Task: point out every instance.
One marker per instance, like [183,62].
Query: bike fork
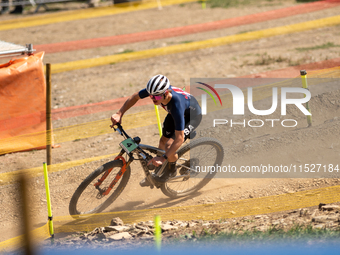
[116,179]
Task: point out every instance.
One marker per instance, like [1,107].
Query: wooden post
[23,192]
[48,116]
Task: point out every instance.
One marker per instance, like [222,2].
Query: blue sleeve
[143,93]
[178,114]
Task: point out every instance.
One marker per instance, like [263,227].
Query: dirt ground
[196,233]
[319,144]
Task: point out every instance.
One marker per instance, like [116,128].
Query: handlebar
[120,130]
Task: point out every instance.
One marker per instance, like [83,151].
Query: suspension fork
[118,175]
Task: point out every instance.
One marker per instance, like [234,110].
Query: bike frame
[144,159]
[142,155]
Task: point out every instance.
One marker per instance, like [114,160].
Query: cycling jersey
[184,112]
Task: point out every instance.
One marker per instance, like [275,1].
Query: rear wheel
[89,198]
[192,164]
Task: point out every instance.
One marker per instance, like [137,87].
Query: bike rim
[91,200]
[202,156]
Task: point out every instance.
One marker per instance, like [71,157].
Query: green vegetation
[266,59]
[306,1]
[296,233]
[245,31]
[318,47]
[125,51]
[236,3]
[300,61]
[227,3]
[186,41]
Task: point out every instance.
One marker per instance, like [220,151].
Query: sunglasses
[158,97]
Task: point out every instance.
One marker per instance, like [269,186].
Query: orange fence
[23,104]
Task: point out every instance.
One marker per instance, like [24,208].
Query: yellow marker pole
[158,233]
[48,198]
[158,121]
[159,4]
[303,74]
[204,4]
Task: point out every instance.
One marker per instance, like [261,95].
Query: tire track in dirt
[178,31]
[193,46]
[83,14]
[289,72]
[228,209]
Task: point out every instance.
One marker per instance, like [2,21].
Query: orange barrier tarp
[22,104]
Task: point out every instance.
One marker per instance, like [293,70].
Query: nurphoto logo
[238,99]
[204,96]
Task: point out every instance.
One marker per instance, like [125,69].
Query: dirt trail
[244,145]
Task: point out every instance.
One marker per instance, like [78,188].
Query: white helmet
[158,85]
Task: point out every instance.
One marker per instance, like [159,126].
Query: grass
[306,1]
[236,3]
[318,47]
[125,51]
[300,61]
[296,233]
[266,59]
[227,3]
[186,41]
[245,31]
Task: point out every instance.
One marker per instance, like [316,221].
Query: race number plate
[128,145]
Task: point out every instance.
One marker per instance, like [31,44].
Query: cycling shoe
[166,175]
[145,183]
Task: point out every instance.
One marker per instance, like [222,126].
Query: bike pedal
[145,183]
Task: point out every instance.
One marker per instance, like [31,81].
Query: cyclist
[184,115]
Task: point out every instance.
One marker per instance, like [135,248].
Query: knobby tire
[166,187]
[115,165]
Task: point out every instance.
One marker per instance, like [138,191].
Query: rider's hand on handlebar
[115,118]
[157,161]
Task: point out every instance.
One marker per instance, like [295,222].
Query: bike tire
[178,188]
[88,195]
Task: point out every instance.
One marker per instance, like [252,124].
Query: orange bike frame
[116,179]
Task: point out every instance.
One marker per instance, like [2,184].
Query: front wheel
[89,196]
[194,161]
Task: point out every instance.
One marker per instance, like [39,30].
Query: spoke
[205,155]
[92,198]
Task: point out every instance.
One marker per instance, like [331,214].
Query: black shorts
[190,125]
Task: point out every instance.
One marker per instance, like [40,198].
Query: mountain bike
[103,186]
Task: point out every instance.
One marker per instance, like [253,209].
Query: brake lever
[116,129]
